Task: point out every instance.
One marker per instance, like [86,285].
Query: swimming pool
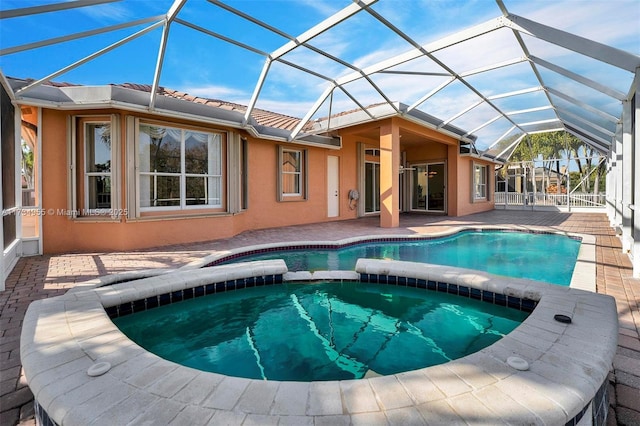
[320,331]
[66,337]
[538,256]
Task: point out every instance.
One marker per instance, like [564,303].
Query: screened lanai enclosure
[553,170]
[544,91]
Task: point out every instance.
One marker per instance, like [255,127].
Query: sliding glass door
[428,183]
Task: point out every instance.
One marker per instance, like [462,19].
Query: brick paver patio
[47,276]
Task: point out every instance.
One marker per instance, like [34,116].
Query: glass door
[428,183]
[372,187]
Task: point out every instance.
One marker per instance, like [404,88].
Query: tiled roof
[262,117]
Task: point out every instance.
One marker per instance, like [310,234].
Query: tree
[555,146]
[27,165]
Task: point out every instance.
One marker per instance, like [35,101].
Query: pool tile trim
[141,305]
[521,304]
[63,336]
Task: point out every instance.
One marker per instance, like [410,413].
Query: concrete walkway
[46,276]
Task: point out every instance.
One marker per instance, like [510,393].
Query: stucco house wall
[265,207]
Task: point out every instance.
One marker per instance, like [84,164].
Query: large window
[292,173]
[479,182]
[179,168]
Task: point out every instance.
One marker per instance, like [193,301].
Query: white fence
[549,200]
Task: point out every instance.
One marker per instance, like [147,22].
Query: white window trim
[182,175]
[302,175]
[86,175]
[297,174]
[115,211]
[475,184]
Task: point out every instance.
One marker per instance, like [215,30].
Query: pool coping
[63,337]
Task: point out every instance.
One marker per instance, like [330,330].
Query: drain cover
[98,369]
[518,363]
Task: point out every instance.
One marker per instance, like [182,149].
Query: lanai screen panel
[452,60]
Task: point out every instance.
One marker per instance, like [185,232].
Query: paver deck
[46,276]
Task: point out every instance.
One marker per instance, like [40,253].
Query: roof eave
[96,97]
[383,111]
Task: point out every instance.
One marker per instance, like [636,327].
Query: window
[93,157]
[97,166]
[179,168]
[292,173]
[479,182]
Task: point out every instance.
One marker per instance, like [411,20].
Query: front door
[333,188]
[428,183]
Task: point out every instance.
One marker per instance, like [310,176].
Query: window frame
[302,174]
[476,184]
[78,206]
[86,175]
[218,136]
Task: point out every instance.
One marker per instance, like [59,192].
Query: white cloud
[216,92]
[107,12]
[323,8]
[611,22]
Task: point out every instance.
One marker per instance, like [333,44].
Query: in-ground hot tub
[545,371]
[319,330]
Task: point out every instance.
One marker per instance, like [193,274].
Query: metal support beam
[461,113]
[54,7]
[529,110]
[601,52]
[627,177]
[635,111]
[504,135]
[76,36]
[430,94]
[587,122]
[415,53]
[328,91]
[492,67]
[538,122]
[515,93]
[517,141]
[171,15]
[587,136]
[323,26]
[580,79]
[159,62]
[88,58]
[619,176]
[257,90]
[429,54]
[483,125]
[581,104]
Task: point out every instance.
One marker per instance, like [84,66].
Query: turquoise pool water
[544,257]
[320,331]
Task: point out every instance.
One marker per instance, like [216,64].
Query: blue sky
[202,65]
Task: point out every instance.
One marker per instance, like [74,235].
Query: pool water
[544,257]
[319,331]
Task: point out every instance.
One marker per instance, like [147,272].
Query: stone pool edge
[62,337]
